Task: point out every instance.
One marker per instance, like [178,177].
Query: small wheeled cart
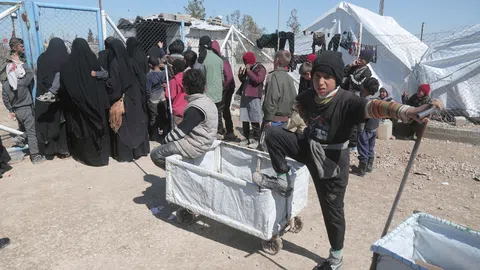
[219,185]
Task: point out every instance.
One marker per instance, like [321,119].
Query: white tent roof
[452,68]
[398,51]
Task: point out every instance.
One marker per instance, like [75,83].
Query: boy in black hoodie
[330,114]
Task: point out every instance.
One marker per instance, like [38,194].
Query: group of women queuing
[99,105]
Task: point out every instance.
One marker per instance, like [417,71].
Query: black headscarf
[102,56]
[116,50]
[49,115]
[135,51]
[49,63]
[87,94]
[205,44]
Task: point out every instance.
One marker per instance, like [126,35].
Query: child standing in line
[177,92]
[368,132]
[156,105]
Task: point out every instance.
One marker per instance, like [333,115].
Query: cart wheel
[296,225]
[273,246]
[184,216]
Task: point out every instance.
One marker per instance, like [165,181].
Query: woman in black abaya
[86,106]
[135,51]
[50,122]
[124,87]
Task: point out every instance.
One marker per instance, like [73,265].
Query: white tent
[452,68]
[398,51]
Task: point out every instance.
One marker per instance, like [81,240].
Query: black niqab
[85,92]
[49,63]
[49,115]
[135,51]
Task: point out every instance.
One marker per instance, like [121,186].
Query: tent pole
[421,33]
[278,27]
[360,33]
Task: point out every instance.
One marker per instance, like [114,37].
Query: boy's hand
[248,66]
[93,73]
[13,116]
[160,44]
[405,94]
[240,71]
[412,112]
[268,124]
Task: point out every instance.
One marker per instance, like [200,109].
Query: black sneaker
[4,242]
[273,183]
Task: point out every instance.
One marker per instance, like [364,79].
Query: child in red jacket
[177,93]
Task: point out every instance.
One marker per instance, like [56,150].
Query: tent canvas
[398,51]
[452,68]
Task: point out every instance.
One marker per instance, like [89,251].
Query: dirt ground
[64,215]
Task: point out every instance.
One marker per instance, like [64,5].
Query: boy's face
[420,94]
[323,83]
[361,62]
[383,93]
[307,76]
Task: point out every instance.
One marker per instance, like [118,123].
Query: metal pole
[278,27]
[382,3]
[183,31]
[169,97]
[421,33]
[360,33]
[100,5]
[413,156]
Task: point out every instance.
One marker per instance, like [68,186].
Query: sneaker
[220,137]
[19,141]
[244,143]
[4,242]
[330,264]
[253,144]
[37,159]
[47,97]
[273,183]
[362,169]
[230,137]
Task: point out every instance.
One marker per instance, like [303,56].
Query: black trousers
[227,114]
[220,106]
[246,130]
[331,192]
[157,117]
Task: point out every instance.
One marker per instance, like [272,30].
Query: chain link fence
[9,27]
[68,24]
[149,31]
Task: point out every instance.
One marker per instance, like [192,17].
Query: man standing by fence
[213,66]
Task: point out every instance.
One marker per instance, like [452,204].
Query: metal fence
[9,27]
[149,31]
[68,23]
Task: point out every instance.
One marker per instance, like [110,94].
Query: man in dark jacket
[20,105]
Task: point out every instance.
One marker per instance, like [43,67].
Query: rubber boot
[370,165]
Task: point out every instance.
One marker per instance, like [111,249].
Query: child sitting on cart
[330,114]
[196,133]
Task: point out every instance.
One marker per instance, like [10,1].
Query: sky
[438,15]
